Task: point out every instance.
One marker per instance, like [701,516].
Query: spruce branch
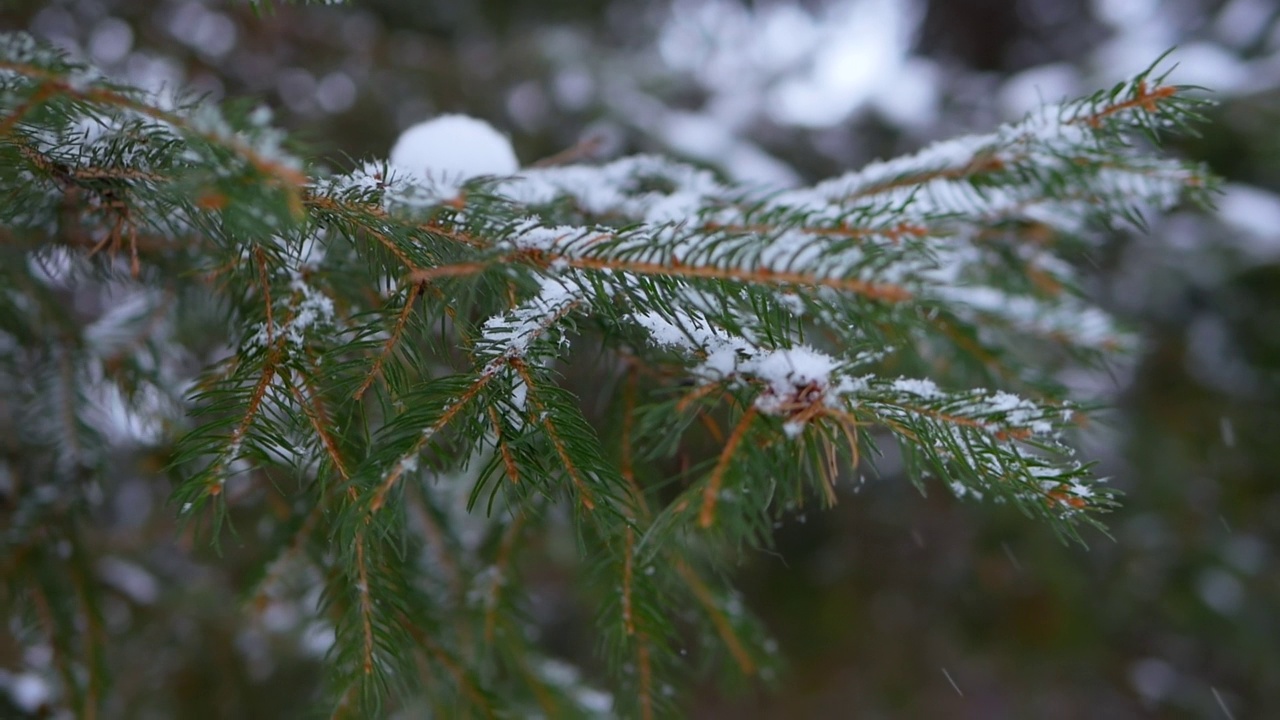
[420,386]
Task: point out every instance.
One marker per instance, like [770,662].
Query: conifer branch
[739,352]
[53,84]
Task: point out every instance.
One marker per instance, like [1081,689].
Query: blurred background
[893,605]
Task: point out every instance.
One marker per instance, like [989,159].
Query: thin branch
[723,628]
[504,449]
[237,436]
[505,552]
[761,276]
[316,416]
[42,93]
[439,655]
[711,493]
[895,233]
[380,495]
[627,468]
[95,636]
[645,671]
[1146,98]
[570,467]
[459,269]
[61,653]
[581,150]
[628,561]
[436,538]
[366,605]
[390,344]
[982,163]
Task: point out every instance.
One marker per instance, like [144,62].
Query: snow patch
[456,147]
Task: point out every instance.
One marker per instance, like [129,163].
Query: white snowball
[454,147]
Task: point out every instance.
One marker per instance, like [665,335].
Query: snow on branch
[1052,137]
[507,336]
[784,375]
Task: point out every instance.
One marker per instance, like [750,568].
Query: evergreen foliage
[414,385]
